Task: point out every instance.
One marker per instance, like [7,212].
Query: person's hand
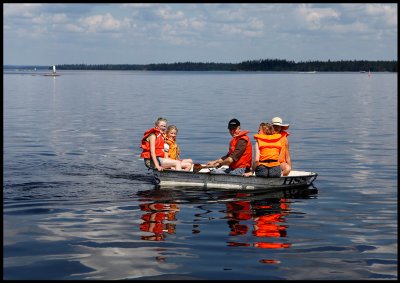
[159,168]
[248,174]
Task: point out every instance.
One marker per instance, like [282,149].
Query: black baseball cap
[233,124]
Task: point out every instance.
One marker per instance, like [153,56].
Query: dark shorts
[270,172]
[237,171]
[148,162]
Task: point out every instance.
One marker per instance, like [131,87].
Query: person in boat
[173,150]
[265,128]
[153,152]
[285,160]
[261,127]
[239,155]
[267,153]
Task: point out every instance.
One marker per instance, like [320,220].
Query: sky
[55,33]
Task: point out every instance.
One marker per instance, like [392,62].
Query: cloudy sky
[48,34]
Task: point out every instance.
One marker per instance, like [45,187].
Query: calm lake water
[78,202]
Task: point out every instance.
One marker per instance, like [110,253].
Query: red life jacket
[245,160]
[146,144]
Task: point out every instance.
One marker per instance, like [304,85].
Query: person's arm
[288,158]
[237,152]
[256,157]
[217,162]
[235,155]
[255,160]
[152,140]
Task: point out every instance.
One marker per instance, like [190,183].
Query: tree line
[275,65]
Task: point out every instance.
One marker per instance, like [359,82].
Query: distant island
[274,65]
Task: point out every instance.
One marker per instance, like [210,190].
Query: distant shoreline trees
[274,65]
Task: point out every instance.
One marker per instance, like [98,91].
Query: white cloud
[138,5]
[167,14]
[74,28]
[99,23]
[313,17]
[230,14]
[387,13]
[206,28]
[197,24]
[20,10]
[354,28]
[49,19]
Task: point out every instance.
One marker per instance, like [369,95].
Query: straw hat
[277,121]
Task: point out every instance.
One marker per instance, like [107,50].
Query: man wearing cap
[285,160]
[240,152]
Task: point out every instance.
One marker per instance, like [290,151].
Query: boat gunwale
[208,179]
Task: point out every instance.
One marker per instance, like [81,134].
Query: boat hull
[172,178]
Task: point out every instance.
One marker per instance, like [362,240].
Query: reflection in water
[255,216]
[267,216]
[153,220]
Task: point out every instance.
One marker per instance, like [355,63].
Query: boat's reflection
[258,214]
[201,196]
[266,218]
[158,220]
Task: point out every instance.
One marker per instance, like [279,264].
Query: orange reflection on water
[153,220]
[268,217]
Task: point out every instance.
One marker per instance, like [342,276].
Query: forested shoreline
[276,65]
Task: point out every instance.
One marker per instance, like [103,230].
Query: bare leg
[187,164]
[169,163]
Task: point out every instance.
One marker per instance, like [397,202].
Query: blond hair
[160,119]
[172,127]
[266,128]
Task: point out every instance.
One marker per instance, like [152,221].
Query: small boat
[206,178]
[310,72]
[52,74]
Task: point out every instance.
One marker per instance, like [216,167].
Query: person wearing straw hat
[285,159]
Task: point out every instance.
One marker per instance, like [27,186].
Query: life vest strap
[268,160]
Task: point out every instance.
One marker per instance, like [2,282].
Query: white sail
[54,69]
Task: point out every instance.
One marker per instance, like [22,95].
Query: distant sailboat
[369,73]
[53,74]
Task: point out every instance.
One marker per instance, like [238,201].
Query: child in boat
[265,128]
[172,148]
[268,149]
[153,148]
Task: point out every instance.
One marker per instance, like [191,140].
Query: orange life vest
[173,151]
[270,147]
[146,144]
[245,160]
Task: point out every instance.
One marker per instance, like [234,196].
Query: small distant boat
[362,71]
[310,72]
[53,74]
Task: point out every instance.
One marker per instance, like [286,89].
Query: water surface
[79,204]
